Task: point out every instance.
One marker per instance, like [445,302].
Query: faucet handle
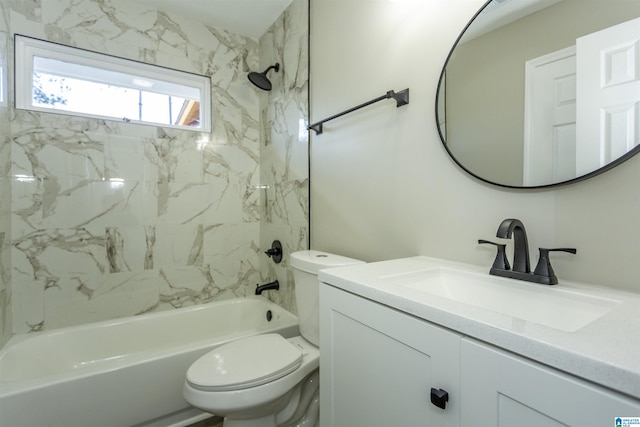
[275,252]
[544,268]
[501,262]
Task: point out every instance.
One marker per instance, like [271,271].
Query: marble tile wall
[111,219]
[284,152]
[5,186]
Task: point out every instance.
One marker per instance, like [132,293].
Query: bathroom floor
[209,422]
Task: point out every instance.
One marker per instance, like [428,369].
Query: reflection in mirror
[542,92]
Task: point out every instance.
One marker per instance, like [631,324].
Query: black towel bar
[402,98]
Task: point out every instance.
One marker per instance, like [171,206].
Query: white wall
[382,185]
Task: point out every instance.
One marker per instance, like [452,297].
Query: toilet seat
[245,363]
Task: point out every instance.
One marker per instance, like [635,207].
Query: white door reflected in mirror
[608,90]
[550,118]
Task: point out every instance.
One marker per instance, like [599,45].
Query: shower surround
[111,219]
[5,184]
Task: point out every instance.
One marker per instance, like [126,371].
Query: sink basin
[550,306]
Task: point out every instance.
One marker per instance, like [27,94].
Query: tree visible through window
[43,95]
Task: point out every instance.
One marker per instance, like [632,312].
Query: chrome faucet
[520,243]
[521,270]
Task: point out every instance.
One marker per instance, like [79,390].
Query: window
[56,78]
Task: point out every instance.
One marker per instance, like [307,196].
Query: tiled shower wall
[5,187]
[111,219]
[284,164]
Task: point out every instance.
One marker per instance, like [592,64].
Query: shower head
[260,79]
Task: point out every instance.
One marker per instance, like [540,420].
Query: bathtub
[125,372]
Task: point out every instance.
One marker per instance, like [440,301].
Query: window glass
[56,78]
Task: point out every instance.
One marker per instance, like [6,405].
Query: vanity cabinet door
[503,389]
[378,366]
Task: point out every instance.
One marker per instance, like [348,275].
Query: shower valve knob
[275,253]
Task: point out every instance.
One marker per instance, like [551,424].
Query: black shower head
[260,79]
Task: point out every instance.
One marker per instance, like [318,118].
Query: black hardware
[260,79]
[439,397]
[501,260]
[544,269]
[402,98]
[275,253]
[521,270]
[275,285]
[520,243]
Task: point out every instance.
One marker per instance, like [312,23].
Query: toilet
[267,380]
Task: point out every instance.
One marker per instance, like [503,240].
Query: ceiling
[250,18]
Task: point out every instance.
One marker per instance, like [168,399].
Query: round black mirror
[539,93]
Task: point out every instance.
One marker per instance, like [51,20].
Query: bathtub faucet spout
[273,285]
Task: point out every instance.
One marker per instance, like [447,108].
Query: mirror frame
[580,178]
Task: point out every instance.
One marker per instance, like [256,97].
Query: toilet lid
[247,362]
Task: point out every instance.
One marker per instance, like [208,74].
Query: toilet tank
[305,265]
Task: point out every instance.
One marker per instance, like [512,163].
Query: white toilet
[267,380]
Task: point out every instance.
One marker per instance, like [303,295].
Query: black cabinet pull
[439,397]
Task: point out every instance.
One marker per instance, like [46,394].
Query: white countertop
[605,351]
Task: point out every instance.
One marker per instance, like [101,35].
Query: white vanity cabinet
[503,389]
[378,366]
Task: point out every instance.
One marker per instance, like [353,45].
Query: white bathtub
[126,372]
